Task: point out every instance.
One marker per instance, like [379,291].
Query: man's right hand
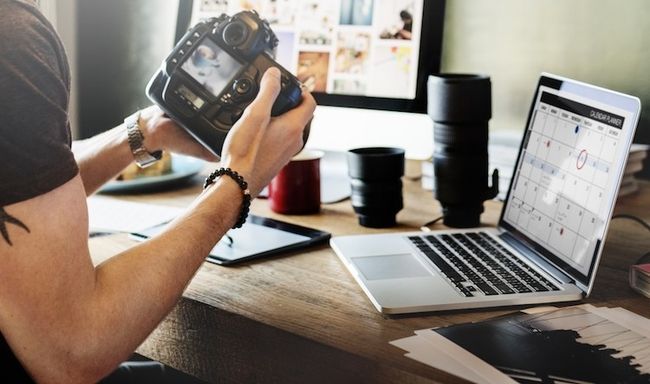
[259,145]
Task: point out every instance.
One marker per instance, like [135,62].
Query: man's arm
[102,157]
[68,321]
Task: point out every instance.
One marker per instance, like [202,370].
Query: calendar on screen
[566,177]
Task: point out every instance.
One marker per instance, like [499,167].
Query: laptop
[549,238]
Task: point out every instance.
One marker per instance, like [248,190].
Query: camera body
[214,72]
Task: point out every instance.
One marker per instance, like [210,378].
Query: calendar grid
[558,197]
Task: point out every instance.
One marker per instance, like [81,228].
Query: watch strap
[142,156]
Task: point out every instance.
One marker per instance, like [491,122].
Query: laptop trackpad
[390,267]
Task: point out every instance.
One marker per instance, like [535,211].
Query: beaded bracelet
[246,204]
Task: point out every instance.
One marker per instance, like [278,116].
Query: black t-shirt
[35,155]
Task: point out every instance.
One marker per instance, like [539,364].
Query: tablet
[258,237]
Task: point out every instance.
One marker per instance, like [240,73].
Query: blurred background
[115,46]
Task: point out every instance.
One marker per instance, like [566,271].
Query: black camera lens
[460,106]
[376,181]
[235,33]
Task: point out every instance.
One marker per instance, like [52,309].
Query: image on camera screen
[212,67]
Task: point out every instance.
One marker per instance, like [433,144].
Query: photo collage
[350,47]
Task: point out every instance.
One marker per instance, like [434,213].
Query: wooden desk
[301,318]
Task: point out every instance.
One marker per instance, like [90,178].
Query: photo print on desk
[569,345]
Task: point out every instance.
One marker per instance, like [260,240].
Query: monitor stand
[334,180]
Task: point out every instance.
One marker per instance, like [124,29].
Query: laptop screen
[568,172]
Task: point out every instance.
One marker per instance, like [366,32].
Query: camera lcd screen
[212,67]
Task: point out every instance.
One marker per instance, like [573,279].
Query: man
[62,319]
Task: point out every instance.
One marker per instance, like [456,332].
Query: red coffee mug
[296,189]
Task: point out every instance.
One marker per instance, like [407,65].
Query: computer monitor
[365,61]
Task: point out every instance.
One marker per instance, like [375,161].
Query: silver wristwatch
[142,156]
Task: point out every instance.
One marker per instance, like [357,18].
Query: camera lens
[460,107]
[235,33]
[375,180]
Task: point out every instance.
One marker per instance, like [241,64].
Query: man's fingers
[269,91]
[304,111]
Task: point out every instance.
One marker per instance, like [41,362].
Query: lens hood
[459,98]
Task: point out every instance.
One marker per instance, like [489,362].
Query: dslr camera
[214,73]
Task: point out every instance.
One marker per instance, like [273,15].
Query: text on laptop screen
[566,179]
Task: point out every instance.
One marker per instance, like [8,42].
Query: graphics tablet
[259,237]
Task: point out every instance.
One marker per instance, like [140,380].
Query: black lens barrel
[375,179]
[460,106]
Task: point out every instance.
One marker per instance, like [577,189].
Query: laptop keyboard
[475,262]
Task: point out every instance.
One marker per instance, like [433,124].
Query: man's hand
[259,145]
[162,133]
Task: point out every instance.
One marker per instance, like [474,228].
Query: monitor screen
[350,53]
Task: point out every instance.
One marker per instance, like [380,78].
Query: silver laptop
[549,239]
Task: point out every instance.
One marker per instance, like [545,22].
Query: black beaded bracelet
[246,204]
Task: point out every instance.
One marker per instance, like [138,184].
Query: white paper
[420,349]
[623,317]
[489,373]
[623,330]
[114,215]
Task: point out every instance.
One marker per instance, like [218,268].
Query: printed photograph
[316,37]
[349,87]
[398,61]
[352,53]
[395,19]
[250,5]
[279,12]
[569,345]
[312,70]
[317,21]
[317,14]
[214,6]
[356,12]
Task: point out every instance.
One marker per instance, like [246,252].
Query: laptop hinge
[536,258]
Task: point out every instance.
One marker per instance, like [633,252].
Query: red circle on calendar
[582,159]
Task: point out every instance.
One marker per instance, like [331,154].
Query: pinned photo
[312,70]
[395,19]
[398,61]
[279,12]
[320,15]
[250,5]
[214,6]
[316,38]
[349,87]
[356,12]
[352,53]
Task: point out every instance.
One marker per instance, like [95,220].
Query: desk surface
[300,317]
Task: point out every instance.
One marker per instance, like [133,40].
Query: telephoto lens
[460,106]
[376,181]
